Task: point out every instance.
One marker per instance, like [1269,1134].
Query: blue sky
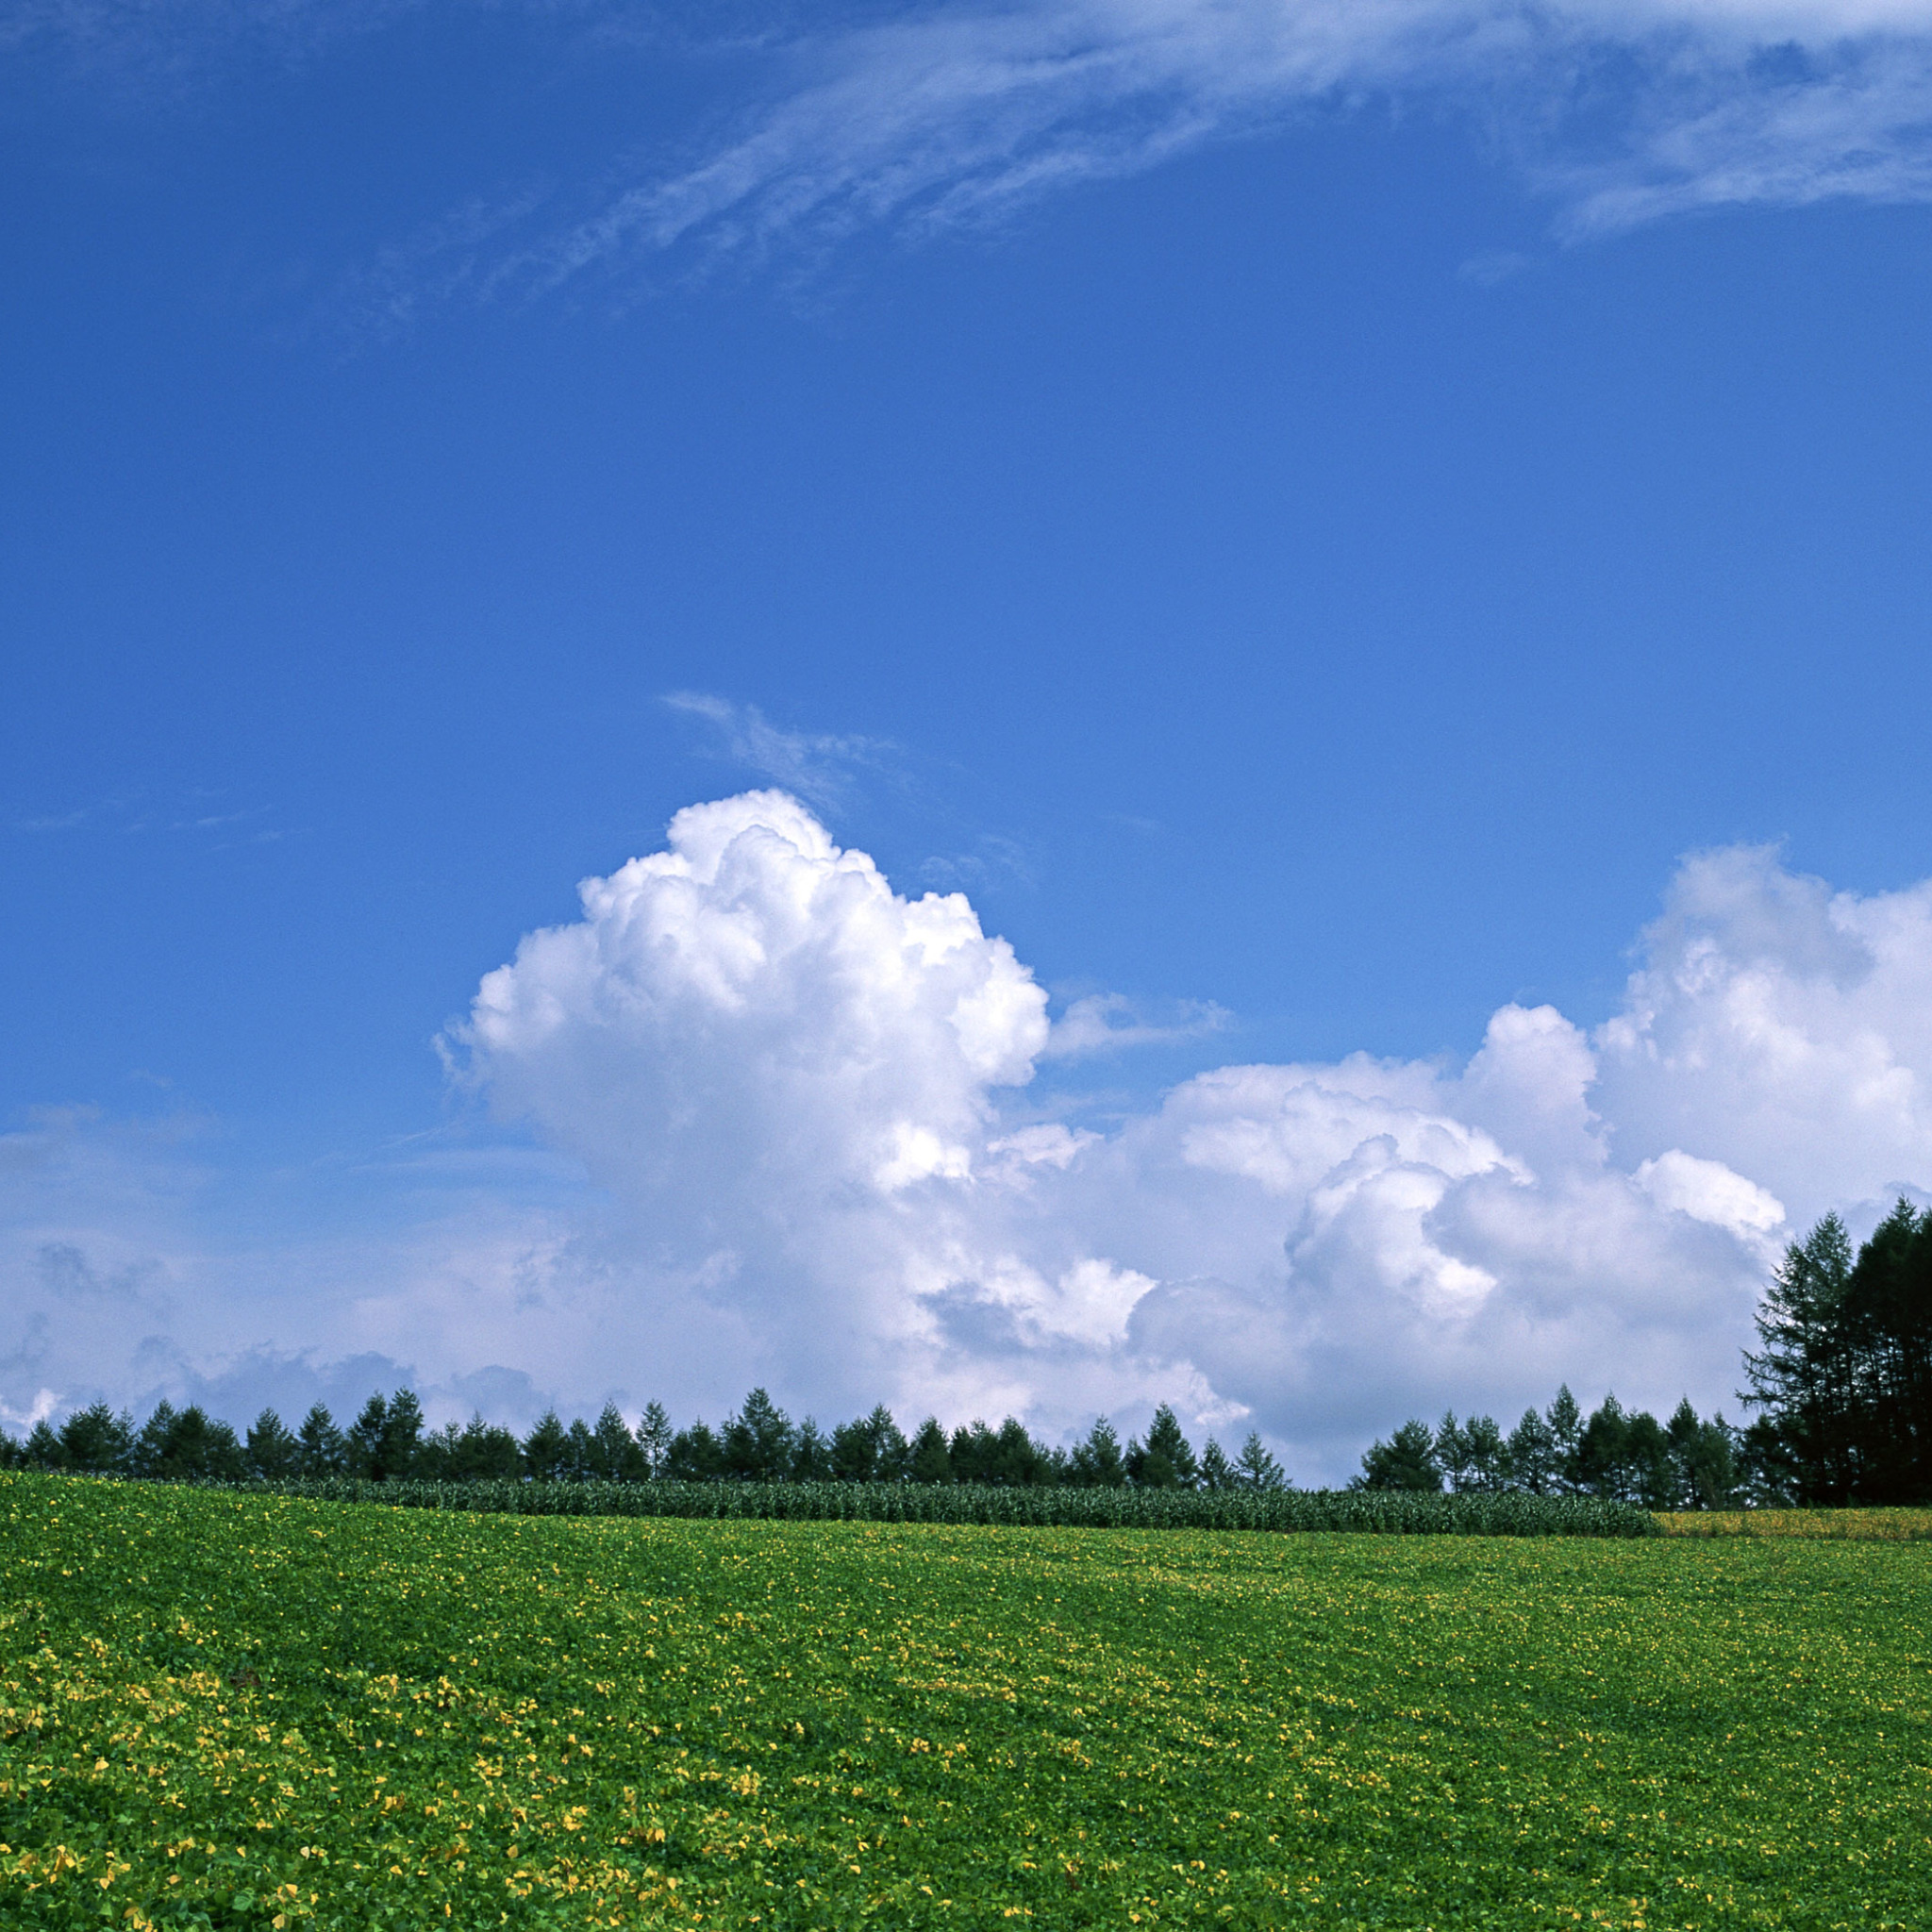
[1305,516]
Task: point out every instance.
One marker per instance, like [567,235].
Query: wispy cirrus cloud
[945,114]
[1786,123]
[948,115]
[815,764]
[1100,1022]
[198,813]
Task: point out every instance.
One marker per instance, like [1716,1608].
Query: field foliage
[228,1710]
[1386,1512]
[1861,1525]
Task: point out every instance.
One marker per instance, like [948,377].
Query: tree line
[1842,1381]
[388,1441]
[1614,1454]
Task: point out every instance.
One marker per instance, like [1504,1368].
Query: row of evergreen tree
[1685,1463]
[389,1440]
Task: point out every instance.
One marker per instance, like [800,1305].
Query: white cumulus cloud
[788,1071]
[809,1090]
[1782,1027]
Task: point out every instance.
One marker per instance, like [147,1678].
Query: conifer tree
[1843,1379]
[1257,1468]
[547,1449]
[438,1453]
[579,1452]
[1452,1451]
[1216,1471]
[1532,1460]
[486,1452]
[811,1455]
[402,1437]
[1603,1465]
[98,1441]
[274,1454]
[1017,1461]
[854,1453]
[1486,1454]
[1653,1475]
[758,1441]
[188,1445]
[891,1453]
[42,1448]
[932,1460]
[1704,1459]
[615,1455]
[1166,1460]
[1405,1461]
[869,1450]
[1097,1462]
[1888,1318]
[324,1450]
[695,1456]
[364,1440]
[1564,1421]
[654,1439]
[224,1460]
[1626,1457]
[1803,1372]
[151,1440]
[972,1452]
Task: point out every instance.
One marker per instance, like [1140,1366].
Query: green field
[230,1710]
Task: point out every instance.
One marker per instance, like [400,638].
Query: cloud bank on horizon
[806,1104]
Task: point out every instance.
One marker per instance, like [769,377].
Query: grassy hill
[222,1710]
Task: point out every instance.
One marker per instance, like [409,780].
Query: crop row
[1369,1511]
[1869,1524]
